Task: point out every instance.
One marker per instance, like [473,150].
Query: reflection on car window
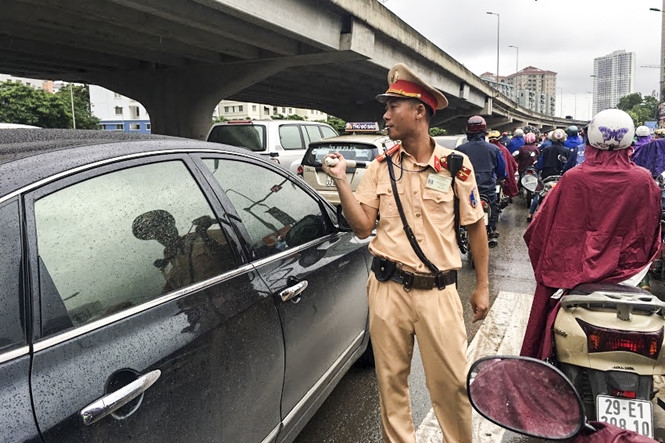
[276,212]
[124,238]
[289,137]
[11,330]
[350,151]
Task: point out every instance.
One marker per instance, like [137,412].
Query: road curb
[500,334]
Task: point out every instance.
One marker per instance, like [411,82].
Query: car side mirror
[342,224]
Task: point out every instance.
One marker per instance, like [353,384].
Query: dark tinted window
[277,213]
[11,330]
[290,138]
[121,239]
[248,136]
[350,151]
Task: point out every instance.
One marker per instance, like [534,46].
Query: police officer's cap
[404,83]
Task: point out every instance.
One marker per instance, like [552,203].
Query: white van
[284,141]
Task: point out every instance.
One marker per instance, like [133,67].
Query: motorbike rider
[488,165]
[527,154]
[600,223]
[643,136]
[577,152]
[516,141]
[549,162]
[505,139]
[510,184]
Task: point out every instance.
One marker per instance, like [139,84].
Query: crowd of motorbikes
[608,350]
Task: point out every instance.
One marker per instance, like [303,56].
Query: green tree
[640,109]
[20,103]
[337,123]
[433,132]
[82,109]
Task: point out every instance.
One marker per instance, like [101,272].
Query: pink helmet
[529,138]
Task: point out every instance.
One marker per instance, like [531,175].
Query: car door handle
[293,291]
[108,404]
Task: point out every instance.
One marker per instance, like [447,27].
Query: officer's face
[400,117]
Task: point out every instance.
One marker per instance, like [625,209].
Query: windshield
[350,151]
[248,136]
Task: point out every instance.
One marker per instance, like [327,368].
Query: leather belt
[385,270]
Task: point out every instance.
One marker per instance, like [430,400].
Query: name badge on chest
[438,182]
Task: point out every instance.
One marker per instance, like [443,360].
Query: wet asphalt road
[351,413]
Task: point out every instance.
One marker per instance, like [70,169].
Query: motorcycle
[533,398]
[529,176]
[536,185]
[608,341]
[464,233]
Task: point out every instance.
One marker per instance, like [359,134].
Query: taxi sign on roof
[362,127]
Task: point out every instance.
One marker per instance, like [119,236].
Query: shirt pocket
[387,204]
[437,205]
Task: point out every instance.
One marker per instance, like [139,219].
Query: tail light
[300,170]
[601,339]
[624,394]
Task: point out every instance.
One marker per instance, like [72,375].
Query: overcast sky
[563,36]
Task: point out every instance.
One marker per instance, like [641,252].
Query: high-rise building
[613,78]
[535,89]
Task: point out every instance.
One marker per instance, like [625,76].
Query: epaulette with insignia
[388,153]
[462,174]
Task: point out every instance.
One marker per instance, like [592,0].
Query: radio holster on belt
[455,162]
[441,279]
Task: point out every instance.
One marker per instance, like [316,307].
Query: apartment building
[613,78]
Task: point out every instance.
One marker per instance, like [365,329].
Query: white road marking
[500,334]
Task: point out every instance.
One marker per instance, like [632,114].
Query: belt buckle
[423,281]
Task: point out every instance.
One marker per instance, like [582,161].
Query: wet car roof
[29,155]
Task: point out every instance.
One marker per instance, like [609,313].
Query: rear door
[316,275]
[139,278]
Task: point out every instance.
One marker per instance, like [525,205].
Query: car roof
[30,155]
[251,122]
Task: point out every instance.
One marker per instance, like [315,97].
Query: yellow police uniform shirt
[429,210]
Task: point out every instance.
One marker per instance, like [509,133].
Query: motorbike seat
[589,288]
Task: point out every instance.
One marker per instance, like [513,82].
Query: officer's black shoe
[493,243]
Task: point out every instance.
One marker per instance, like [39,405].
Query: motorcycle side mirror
[530,182]
[525,395]
[562,158]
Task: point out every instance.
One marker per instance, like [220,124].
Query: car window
[313,133]
[290,138]
[11,324]
[350,151]
[120,239]
[328,132]
[277,213]
[250,136]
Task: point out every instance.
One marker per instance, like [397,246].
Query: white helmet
[559,135]
[611,129]
[642,131]
[518,133]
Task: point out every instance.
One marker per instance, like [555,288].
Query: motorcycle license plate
[634,415]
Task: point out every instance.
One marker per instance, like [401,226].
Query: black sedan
[164,289]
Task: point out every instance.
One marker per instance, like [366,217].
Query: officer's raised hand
[334,164]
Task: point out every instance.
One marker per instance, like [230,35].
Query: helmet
[529,138]
[611,129]
[572,131]
[476,124]
[504,133]
[518,133]
[494,135]
[559,136]
[642,131]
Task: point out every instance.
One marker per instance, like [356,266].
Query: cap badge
[394,77]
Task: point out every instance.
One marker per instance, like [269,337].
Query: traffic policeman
[412,291]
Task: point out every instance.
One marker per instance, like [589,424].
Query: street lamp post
[517,57]
[498,27]
[662,51]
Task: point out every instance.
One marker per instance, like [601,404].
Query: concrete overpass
[179,58]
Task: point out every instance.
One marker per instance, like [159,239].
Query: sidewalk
[500,334]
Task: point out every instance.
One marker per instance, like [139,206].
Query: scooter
[541,187]
[530,178]
[533,398]
[608,341]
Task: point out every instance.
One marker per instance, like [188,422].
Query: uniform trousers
[436,318]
